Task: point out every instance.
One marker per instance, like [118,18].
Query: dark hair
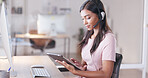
[103,29]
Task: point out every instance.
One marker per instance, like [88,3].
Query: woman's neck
[95,34]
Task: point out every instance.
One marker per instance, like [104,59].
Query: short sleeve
[109,48]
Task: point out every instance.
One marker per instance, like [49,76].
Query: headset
[101,14]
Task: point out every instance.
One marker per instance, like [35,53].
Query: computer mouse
[37,66]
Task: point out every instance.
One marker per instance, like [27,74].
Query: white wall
[127,16]
[18,20]
[128,20]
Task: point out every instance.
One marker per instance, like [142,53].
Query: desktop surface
[40,36]
[22,66]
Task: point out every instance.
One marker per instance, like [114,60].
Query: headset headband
[100,8]
[98,3]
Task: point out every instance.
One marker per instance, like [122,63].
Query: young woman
[97,46]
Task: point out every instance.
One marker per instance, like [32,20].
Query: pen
[9,69]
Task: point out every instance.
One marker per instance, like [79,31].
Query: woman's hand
[76,62]
[69,67]
[82,66]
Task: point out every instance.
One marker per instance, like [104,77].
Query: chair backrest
[41,43]
[37,42]
[117,64]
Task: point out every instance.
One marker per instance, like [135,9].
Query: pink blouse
[105,51]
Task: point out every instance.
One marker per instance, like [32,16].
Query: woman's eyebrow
[86,15]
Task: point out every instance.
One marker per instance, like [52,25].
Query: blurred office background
[128,20]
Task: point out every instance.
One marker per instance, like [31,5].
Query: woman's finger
[73,60]
[67,66]
[84,67]
[62,63]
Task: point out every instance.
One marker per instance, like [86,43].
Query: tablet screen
[62,58]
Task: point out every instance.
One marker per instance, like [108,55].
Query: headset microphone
[97,23]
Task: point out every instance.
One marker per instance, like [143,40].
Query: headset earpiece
[99,5]
[102,15]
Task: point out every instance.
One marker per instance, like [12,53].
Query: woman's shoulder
[109,36]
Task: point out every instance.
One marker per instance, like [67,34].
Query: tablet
[62,58]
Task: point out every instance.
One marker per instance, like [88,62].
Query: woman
[97,46]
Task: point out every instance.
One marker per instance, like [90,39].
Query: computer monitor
[51,24]
[6,37]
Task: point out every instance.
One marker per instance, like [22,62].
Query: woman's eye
[88,17]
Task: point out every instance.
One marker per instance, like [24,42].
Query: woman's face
[89,19]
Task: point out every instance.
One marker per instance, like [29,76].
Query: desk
[22,66]
[40,36]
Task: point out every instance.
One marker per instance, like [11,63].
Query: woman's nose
[85,22]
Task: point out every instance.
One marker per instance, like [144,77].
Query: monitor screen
[5,36]
[49,24]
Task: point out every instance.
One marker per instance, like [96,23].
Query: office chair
[117,64]
[116,69]
[41,43]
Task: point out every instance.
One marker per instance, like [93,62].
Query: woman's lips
[87,26]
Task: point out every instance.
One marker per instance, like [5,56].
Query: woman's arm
[105,72]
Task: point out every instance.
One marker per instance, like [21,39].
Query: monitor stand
[13,73]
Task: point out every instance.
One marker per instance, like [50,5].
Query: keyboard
[39,72]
